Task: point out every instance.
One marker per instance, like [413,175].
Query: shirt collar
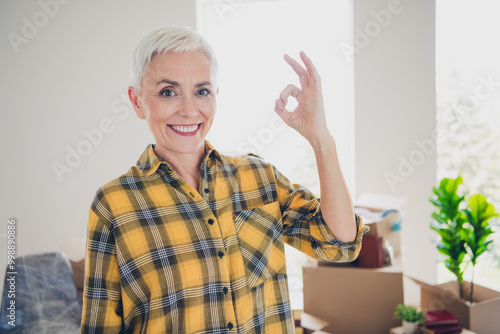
[212,153]
[149,162]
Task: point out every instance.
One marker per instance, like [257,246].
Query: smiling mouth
[186,129]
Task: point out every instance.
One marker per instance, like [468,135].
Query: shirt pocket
[260,237]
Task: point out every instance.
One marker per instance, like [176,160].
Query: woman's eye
[204,92]
[167,92]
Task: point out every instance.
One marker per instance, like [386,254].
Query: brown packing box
[482,317]
[308,324]
[353,300]
[382,213]
[400,330]
[384,229]
[74,249]
[78,269]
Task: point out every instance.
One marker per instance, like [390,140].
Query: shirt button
[225,290]
[211,221]
[206,191]
[230,325]
[221,254]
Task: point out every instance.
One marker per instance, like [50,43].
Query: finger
[311,69]
[290,90]
[301,72]
[279,108]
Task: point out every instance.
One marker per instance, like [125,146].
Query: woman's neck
[186,165]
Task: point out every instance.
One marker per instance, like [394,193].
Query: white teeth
[190,128]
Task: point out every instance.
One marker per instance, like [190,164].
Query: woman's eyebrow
[176,84]
[204,83]
[170,82]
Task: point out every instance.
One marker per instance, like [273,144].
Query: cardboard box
[382,214]
[483,316]
[399,330]
[308,324]
[388,227]
[353,300]
[78,269]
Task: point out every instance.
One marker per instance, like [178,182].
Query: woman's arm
[102,304]
[309,120]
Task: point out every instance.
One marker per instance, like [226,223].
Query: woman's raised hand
[308,118]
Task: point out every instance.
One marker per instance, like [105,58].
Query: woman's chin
[191,146]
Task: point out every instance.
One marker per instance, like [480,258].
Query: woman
[192,241]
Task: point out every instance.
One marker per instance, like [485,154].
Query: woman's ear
[134,99]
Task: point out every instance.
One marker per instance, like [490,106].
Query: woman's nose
[188,107]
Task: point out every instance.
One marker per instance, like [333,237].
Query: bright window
[250,38]
[468,87]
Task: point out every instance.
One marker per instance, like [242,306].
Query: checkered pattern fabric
[163,257]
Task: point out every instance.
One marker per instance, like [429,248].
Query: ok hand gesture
[308,118]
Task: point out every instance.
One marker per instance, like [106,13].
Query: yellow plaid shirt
[163,257]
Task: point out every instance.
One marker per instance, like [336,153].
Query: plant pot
[409,327]
[479,317]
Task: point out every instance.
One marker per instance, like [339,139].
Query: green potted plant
[448,221]
[477,230]
[410,316]
[463,228]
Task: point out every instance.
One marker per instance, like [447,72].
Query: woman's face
[178,101]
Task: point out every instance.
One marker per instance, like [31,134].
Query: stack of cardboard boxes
[355,299]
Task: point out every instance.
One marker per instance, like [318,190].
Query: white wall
[69,76]
[395,107]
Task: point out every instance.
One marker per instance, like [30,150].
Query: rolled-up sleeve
[102,307]
[305,229]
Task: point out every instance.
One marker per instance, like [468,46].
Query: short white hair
[165,39]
